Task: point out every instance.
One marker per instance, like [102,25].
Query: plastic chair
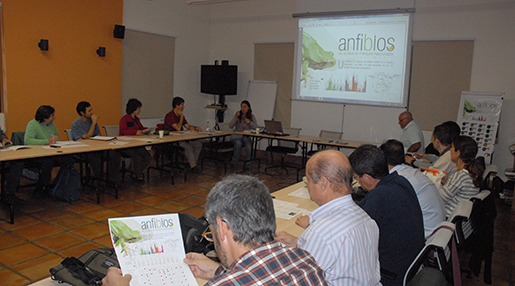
[436,253]
[284,147]
[69,134]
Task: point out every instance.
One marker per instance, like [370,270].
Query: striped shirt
[458,187]
[344,241]
[271,263]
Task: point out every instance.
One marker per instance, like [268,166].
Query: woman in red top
[131,125]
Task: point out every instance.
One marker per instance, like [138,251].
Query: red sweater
[129,125]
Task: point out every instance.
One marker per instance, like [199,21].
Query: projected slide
[358,59]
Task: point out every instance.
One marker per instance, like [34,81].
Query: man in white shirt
[428,197]
[341,236]
[412,136]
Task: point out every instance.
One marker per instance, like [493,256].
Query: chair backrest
[69,133]
[293,132]
[436,253]
[112,130]
[18,138]
[224,126]
[460,217]
[330,134]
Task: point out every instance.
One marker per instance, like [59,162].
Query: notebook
[274,128]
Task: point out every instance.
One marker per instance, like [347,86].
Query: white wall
[191,28]
[229,30]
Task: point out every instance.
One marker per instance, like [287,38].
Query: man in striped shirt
[241,214]
[341,236]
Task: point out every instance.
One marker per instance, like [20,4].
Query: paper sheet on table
[287,210]
[66,144]
[148,139]
[150,248]
[14,148]
[125,138]
[301,193]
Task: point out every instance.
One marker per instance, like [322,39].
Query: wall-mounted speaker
[119,31]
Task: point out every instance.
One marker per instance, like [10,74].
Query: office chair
[219,147]
[114,130]
[325,135]
[284,147]
[436,253]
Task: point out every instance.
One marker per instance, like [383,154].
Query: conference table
[282,224]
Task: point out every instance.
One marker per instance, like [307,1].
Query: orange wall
[70,71]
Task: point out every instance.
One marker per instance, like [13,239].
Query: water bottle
[208,128]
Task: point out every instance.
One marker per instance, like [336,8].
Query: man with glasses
[412,137]
[393,204]
[242,222]
[341,236]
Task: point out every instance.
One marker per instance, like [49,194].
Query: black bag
[68,184]
[87,270]
[192,229]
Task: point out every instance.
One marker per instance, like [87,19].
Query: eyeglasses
[208,235]
[400,120]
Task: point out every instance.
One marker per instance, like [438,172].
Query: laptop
[275,128]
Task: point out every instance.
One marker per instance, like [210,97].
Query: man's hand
[94,118]
[200,265]
[286,238]
[53,139]
[303,221]
[7,142]
[139,133]
[419,155]
[114,278]
[180,113]
[409,159]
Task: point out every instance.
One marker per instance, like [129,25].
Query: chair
[283,148]
[69,134]
[460,218]
[324,136]
[436,252]
[114,130]
[218,147]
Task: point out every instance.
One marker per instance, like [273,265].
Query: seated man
[242,222]
[442,137]
[412,137]
[393,204]
[12,175]
[42,131]
[175,121]
[428,196]
[85,127]
[341,236]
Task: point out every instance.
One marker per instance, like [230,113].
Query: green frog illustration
[122,234]
[314,56]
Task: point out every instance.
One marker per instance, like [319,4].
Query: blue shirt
[428,196]
[80,127]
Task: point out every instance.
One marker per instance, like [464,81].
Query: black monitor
[219,79]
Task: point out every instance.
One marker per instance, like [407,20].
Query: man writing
[412,137]
[242,222]
[175,121]
[86,127]
[341,236]
[393,204]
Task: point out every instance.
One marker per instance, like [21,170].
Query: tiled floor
[46,231]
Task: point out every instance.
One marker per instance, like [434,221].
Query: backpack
[87,270]
[192,229]
[68,184]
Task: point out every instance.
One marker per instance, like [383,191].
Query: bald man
[412,137]
[341,236]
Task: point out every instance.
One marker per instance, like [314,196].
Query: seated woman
[131,125]
[465,183]
[41,131]
[242,120]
